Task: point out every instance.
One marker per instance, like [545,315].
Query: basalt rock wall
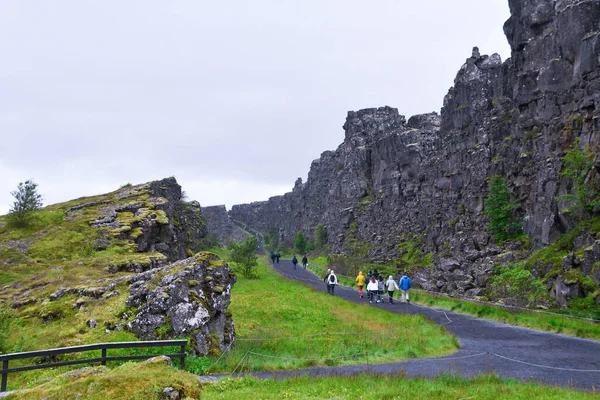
[393,180]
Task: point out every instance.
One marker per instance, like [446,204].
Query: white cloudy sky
[234,99]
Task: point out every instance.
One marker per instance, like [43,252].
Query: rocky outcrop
[393,181]
[220,225]
[188,298]
[153,216]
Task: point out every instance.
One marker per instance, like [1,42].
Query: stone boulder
[188,298]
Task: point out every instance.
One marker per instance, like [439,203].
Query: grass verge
[560,323]
[529,319]
[385,387]
[313,322]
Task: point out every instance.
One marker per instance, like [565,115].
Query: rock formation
[186,298]
[220,225]
[393,181]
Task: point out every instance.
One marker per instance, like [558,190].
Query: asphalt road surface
[486,346]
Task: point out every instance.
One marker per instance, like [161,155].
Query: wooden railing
[5,358]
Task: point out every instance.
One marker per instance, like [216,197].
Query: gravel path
[529,355]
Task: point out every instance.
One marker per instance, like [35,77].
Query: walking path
[486,346]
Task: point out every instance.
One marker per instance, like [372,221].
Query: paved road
[530,355]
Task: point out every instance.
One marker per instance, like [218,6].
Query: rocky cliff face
[154,217]
[393,180]
[220,225]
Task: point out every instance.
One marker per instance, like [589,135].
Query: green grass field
[385,387]
[310,328]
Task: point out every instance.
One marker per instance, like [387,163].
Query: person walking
[391,287]
[331,282]
[304,261]
[405,287]
[295,261]
[360,282]
[380,287]
[272,255]
[277,257]
[372,289]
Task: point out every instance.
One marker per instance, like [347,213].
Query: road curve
[486,346]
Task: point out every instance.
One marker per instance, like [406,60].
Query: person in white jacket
[391,286]
[331,282]
[372,288]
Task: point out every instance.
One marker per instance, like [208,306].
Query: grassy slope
[385,387]
[129,381]
[61,253]
[274,307]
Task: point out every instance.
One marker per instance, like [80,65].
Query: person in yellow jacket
[360,282]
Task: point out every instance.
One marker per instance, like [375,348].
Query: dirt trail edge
[486,346]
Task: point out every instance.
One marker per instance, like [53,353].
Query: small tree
[27,200]
[577,166]
[300,243]
[244,254]
[500,208]
[320,236]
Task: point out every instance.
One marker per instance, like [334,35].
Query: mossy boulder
[193,306]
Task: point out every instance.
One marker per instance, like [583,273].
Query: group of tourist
[376,286]
[274,256]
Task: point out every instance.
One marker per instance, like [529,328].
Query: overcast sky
[234,99]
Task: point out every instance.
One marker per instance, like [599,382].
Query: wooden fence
[5,358]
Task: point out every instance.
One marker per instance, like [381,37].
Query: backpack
[331,278]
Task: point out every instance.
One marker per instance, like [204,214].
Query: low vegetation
[145,380]
[385,387]
[314,328]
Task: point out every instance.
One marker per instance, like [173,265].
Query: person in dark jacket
[304,261]
[277,256]
[272,255]
[295,261]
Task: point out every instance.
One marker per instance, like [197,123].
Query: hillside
[113,267]
[426,192]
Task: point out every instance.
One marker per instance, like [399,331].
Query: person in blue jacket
[404,284]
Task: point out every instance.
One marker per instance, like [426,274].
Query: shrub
[244,254]
[500,208]
[320,237]
[27,200]
[300,243]
[514,280]
[577,166]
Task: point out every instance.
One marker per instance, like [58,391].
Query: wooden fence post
[182,359]
[104,356]
[4,375]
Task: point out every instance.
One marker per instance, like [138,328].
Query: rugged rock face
[221,226]
[154,217]
[392,181]
[186,298]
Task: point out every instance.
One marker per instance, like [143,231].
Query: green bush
[300,243]
[244,254]
[500,208]
[577,166]
[514,280]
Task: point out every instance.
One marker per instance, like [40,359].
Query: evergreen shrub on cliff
[578,164]
[500,208]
